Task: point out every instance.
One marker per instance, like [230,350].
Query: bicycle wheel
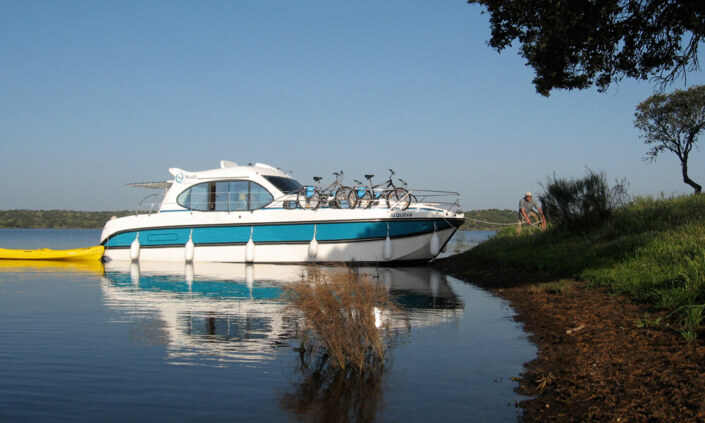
[345,198]
[398,198]
[308,198]
[363,197]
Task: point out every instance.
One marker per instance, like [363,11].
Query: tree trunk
[687,180]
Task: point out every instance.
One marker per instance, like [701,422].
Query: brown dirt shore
[599,359]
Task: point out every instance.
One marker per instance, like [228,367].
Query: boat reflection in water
[216,313]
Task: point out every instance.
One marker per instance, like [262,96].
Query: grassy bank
[652,250]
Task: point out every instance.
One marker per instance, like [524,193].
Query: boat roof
[228,170]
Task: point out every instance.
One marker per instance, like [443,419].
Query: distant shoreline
[56,219]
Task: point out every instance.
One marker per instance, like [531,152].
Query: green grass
[652,250]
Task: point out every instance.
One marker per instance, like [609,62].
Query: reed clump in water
[340,320]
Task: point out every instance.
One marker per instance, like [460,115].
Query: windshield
[285,185]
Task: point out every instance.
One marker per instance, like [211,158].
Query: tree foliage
[578,43]
[672,122]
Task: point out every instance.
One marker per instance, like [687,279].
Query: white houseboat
[251,214]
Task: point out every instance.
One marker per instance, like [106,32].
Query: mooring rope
[490,223]
[502,224]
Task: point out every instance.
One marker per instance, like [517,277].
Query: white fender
[388,248]
[313,249]
[135,248]
[250,249]
[189,248]
[313,246]
[435,242]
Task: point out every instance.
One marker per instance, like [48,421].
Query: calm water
[210,343]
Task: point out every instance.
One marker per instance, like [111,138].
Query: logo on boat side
[179,177]
[400,214]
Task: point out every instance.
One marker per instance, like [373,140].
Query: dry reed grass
[339,314]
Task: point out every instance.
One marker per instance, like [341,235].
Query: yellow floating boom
[75,254]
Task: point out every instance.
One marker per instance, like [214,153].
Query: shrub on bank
[581,204]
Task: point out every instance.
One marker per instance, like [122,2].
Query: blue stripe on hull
[284,233]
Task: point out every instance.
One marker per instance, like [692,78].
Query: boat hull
[408,249]
[282,237]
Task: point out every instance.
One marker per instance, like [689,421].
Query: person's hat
[528,194]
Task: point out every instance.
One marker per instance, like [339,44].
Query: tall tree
[573,44]
[672,122]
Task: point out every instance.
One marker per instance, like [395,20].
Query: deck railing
[230,202]
[442,200]
[150,204]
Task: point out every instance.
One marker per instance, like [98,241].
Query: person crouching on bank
[527,209]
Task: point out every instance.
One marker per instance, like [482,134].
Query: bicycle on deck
[335,195]
[394,196]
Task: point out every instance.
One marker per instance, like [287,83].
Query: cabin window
[225,196]
[239,193]
[259,197]
[285,185]
[195,198]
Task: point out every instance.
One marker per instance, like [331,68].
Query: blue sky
[94,95]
